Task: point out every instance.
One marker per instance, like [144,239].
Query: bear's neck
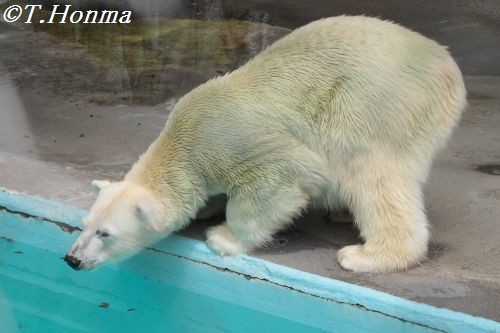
[166,170]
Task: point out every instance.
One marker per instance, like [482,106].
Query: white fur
[343,112]
[130,216]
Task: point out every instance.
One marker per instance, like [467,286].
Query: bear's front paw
[222,241]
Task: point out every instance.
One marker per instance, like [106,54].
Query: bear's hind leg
[253,217]
[388,210]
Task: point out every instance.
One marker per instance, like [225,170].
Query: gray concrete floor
[67,118]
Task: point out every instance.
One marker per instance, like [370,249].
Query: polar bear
[343,112]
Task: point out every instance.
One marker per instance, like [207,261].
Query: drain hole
[490,169]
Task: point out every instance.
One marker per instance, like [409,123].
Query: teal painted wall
[180,286]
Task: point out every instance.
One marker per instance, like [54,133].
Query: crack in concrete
[63,226]
[250,277]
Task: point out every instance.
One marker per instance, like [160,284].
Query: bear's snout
[73,262]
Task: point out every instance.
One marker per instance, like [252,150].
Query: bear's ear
[98,185]
[146,214]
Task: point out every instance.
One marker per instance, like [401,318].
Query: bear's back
[342,81]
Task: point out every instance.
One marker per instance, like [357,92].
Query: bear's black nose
[73,262]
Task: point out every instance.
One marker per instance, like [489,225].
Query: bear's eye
[101,234]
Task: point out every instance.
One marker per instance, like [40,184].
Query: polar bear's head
[125,218]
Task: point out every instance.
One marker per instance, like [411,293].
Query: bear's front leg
[254,217]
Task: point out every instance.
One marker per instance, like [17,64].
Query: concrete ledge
[63,224]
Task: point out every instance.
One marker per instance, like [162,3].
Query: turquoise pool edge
[69,218]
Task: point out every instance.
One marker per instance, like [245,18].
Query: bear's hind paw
[359,258]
